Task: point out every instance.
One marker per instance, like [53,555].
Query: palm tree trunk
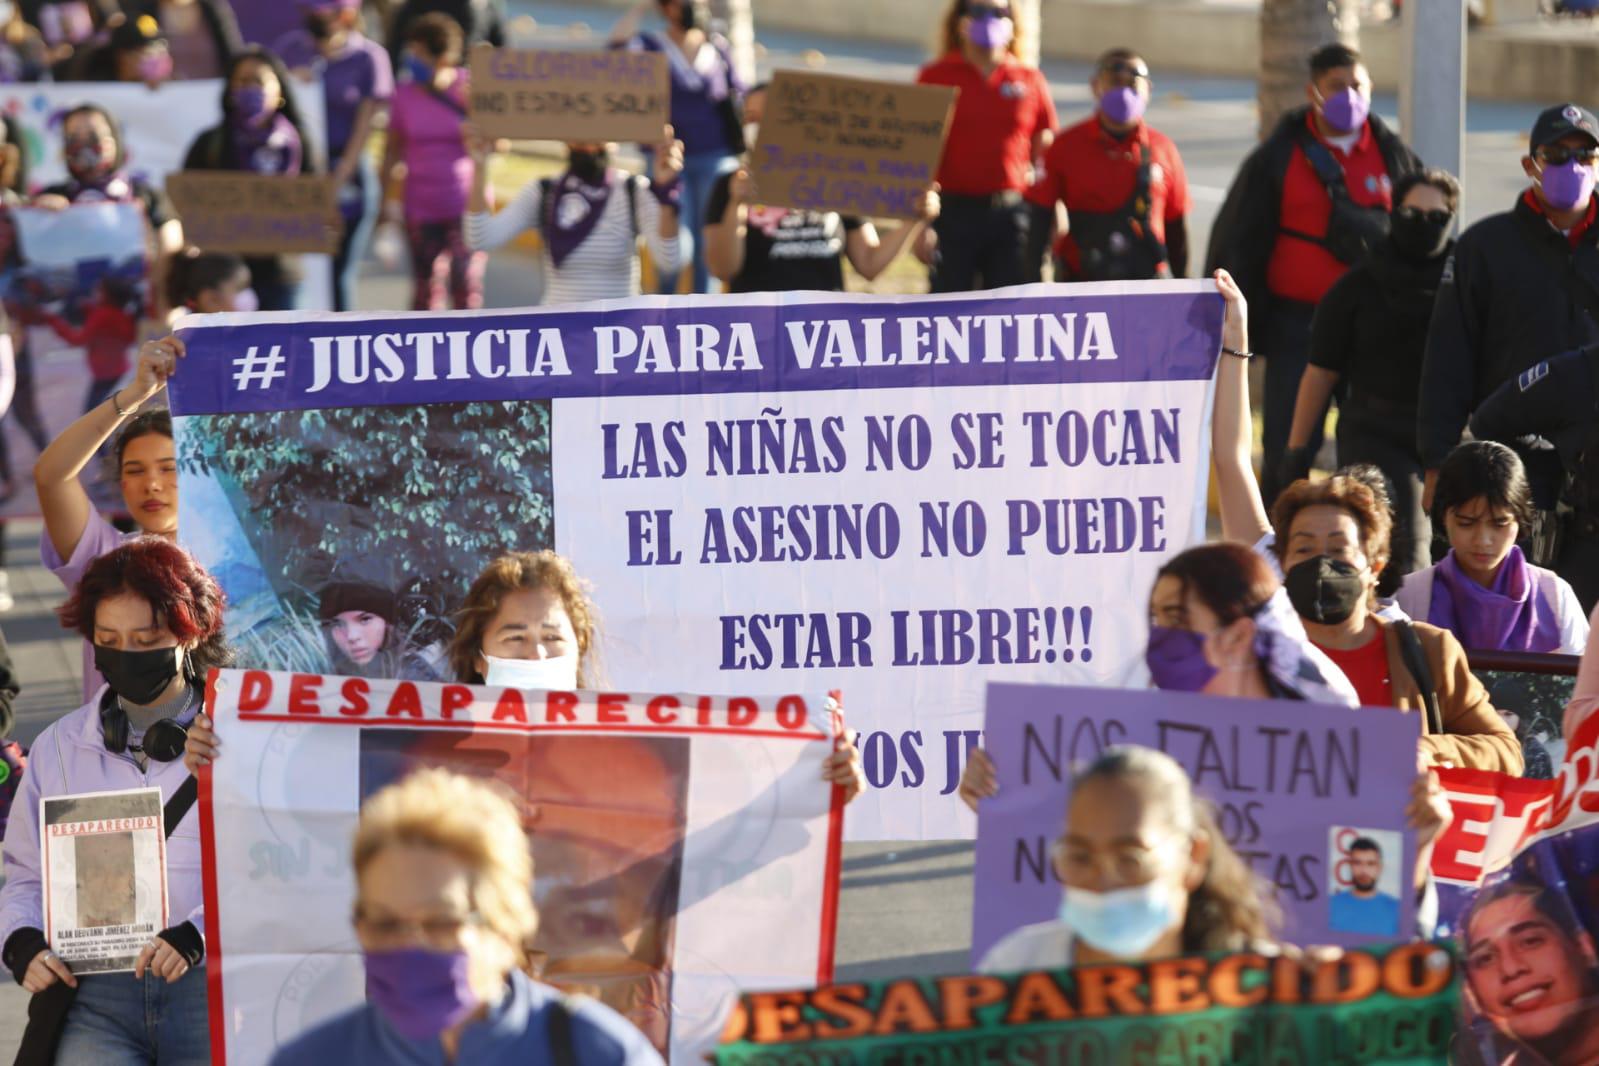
[1031,14]
[1289,31]
[739,19]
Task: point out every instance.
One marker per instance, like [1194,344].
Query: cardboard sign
[850,145]
[570,96]
[256,214]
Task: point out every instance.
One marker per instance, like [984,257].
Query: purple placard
[1292,784]
[656,347]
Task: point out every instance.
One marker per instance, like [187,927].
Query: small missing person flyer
[105,876]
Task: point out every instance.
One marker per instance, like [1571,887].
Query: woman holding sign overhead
[706,94]
[1331,540]
[590,217]
[1004,119]
[261,133]
[754,248]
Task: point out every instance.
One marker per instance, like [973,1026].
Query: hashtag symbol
[262,370]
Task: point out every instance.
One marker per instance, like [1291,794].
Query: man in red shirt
[1122,182]
[1004,118]
[1306,205]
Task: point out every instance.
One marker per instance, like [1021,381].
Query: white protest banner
[899,497]
[684,847]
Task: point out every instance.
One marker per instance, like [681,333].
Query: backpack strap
[563,1048]
[178,804]
[546,205]
[1416,662]
[633,182]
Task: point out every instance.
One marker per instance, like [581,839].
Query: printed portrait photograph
[107,886]
[1364,880]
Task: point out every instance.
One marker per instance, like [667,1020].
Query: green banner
[1389,1005]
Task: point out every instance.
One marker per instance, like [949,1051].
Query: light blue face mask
[1123,922]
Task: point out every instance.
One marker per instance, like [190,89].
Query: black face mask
[139,677]
[589,167]
[319,26]
[1324,589]
[1418,238]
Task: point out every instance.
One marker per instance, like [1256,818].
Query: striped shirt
[605,266]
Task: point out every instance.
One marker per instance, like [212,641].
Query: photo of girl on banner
[347,537]
[607,869]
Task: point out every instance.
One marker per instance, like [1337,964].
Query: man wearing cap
[1522,286]
[1305,207]
[1122,183]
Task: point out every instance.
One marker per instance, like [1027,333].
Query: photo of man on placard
[1364,896]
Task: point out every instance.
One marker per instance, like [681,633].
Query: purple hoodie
[70,757]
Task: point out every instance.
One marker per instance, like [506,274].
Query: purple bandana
[270,148]
[571,210]
[1510,616]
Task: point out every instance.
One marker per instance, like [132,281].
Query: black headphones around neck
[162,742]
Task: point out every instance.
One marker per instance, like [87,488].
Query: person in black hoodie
[1369,334]
[1305,207]
[1522,286]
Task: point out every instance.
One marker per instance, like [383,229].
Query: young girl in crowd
[206,283]
[590,218]
[147,468]
[427,155]
[110,327]
[1485,591]
[357,83]
[261,132]
[706,91]
[1331,539]
[528,622]
[1004,119]
[154,617]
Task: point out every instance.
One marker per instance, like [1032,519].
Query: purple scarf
[270,148]
[1510,616]
[571,209]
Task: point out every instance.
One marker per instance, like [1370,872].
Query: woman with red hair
[154,617]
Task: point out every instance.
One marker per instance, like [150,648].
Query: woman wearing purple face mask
[443,910]
[1004,118]
[1221,624]
[261,132]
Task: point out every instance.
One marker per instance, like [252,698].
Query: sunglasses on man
[980,11]
[1124,69]
[1558,154]
[1437,216]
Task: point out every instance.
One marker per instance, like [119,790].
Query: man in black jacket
[1522,286]
[1306,205]
[1554,404]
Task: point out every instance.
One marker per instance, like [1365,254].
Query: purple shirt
[697,117]
[99,537]
[360,71]
[438,172]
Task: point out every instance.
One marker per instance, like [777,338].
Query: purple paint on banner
[758,344]
[1292,785]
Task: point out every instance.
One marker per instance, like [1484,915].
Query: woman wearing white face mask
[1147,874]
[528,622]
